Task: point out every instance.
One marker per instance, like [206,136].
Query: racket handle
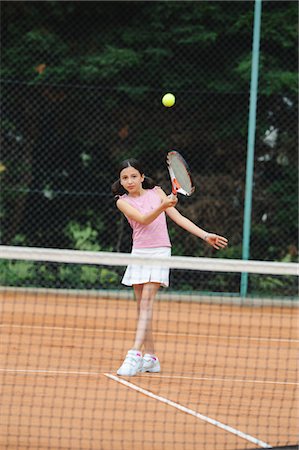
[173,196]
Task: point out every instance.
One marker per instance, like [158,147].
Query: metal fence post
[251,141]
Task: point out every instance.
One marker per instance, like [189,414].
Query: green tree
[81,87]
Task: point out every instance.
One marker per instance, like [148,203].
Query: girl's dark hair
[117,188]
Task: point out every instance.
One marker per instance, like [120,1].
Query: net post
[250,142]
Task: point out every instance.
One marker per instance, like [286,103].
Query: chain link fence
[82,84]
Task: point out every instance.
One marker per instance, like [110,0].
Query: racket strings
[179,173]
[182,176]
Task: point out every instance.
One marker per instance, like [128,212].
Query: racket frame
[176,187]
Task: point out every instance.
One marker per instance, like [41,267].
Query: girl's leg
[148,339]
[138,288]
[145,295]
[134,363]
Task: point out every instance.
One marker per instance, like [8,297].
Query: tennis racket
[180,175]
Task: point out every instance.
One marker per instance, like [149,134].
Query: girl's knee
[146,303]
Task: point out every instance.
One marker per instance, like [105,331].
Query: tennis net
[228,375]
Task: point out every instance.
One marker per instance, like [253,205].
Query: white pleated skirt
[139,274]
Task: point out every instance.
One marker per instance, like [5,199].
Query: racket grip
[173,196]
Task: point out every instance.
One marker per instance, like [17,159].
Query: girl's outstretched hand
[216,241]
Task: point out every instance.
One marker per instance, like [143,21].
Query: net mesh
[81,86]
[228,364]
[81,90]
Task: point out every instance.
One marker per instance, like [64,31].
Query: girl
[144,206]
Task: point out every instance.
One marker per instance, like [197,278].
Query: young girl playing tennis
[144,206]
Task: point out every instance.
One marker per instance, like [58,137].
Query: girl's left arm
[214,240]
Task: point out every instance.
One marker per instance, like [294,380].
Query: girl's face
[131,180]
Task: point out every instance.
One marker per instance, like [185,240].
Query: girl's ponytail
[117,189]
[148,183]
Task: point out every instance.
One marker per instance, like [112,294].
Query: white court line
[85,373]
[191,412]
[199,336]
[229,380]
[50,372]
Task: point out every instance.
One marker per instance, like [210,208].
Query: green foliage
[48,275]
[187,35]
[243,68]
[280,25]
[34,48]
[109,278]
[134,92]
[148,139]
[76,276]
[272,286]
[83,237]
[114,51]
[110,62]
[279,81]
[98,53]
[16,273]
[177,246]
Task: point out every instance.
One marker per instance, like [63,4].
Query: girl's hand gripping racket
[180,175]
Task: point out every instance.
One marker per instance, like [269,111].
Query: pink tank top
[154,234]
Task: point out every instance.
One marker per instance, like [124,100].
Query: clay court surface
[233,364]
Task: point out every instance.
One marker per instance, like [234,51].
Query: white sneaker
[132,364]
[150,364]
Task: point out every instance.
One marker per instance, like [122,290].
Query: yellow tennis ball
[168,100]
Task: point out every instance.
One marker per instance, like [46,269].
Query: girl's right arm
[145,219]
